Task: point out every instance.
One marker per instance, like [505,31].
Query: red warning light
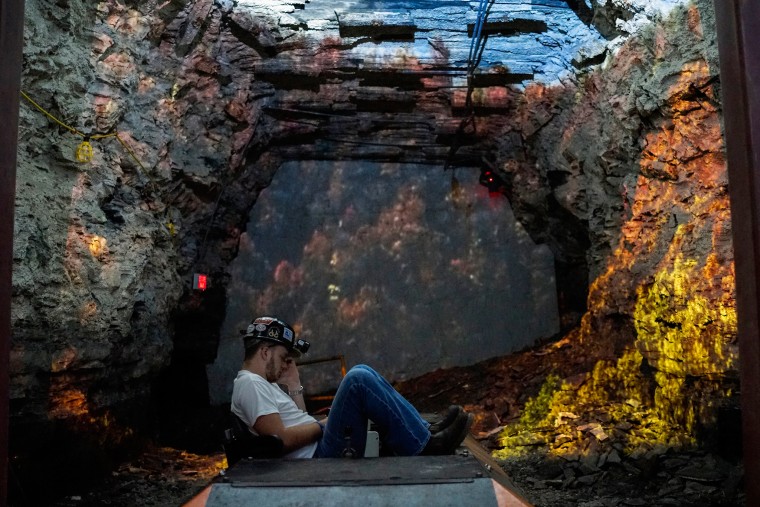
[200,282]
[491,180]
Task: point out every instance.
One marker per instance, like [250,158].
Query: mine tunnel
[519,206]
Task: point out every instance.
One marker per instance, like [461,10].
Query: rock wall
[618,170]
[182,103]
[105,249]
[640,161]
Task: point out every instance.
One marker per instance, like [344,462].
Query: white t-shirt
[253,396]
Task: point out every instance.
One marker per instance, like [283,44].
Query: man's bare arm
[293,437]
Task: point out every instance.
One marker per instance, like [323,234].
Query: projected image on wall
[398,266]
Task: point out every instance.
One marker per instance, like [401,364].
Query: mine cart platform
[463,479]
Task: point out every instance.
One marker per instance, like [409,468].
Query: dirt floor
[601,472]
[160,476]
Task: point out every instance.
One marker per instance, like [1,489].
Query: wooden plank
[738,26]
[11,44]
[384,471]
[386,24]
[510,25]
[494,469]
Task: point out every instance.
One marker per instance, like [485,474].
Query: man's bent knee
[360,374]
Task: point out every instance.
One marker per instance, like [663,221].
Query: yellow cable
[59,122]
[170,226]
[86,137]
[103,136]
[132,153]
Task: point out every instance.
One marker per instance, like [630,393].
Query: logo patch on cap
[260,327]
[274,333]
[287,333]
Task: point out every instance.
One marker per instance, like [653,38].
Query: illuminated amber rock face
[675,248]
[685,314]
[641,153]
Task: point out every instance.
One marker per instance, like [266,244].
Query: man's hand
[292,380]
[290,376]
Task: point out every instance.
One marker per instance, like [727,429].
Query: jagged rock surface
[647,174]
[105,249]
[619,170]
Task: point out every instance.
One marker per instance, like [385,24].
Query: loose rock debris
[582,459]
[594,468]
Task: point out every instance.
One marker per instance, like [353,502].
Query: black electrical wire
[476,41]
[477,45]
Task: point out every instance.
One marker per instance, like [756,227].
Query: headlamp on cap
[275,330]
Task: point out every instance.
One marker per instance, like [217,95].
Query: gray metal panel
[479,492]
[345,472]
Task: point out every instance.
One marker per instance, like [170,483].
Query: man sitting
[270,349]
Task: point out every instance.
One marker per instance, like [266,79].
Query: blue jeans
[364,394]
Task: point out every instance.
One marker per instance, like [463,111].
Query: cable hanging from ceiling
[477,45]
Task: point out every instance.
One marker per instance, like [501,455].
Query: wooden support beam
[738,26]
[11,43]
[510,25]
[378,25]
